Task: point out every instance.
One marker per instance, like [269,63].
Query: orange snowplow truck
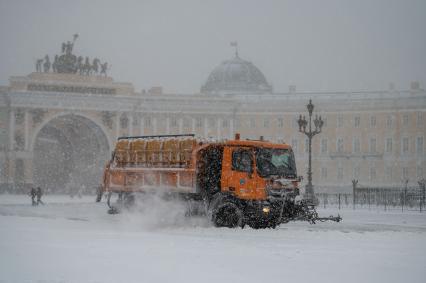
[237,182]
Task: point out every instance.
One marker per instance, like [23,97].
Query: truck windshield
[273,161]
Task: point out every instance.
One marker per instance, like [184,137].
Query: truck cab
[254,180]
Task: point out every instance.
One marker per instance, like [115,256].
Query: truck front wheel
[227,214]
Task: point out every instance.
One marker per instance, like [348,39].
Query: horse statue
[104,68]
[95,65]
[55,64]
[46,65]
[68,47]
[80,66]
[87,67]
[38,65]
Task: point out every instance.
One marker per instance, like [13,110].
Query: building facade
[57,129]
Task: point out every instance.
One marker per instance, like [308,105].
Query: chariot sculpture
[69,63]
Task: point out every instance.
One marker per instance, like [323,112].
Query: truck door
[239,172]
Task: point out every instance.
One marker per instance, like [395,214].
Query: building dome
[236,76]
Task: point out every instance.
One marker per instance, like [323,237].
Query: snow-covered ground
[75,240]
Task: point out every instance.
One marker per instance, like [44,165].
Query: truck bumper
[266,213]
[269,213]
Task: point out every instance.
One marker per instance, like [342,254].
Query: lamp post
[318,122]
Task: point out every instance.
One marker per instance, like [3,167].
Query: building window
[405,173]
[405,145]
[294,143]
[19,141]
[324,148]
[294,123]
[324,119]
[106,118]
[419,119]
[372,144]
[147,122]
[280,122]
[173,122]
[357,121]
[419,146]
[266,123]
[388,145]
[340,145]
[340,173]
[357,171]
[252,123]
[405,120]
[124,121]
[339,120]
[389,122]
[225,123]
[19,116]
[356,145]
[324,173]
[388,174]
[373,121]
[135,120]
[372,173]
[419,172]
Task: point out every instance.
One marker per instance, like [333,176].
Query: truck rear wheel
[227,214]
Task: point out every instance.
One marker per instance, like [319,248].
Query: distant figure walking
[33,194]
[39,194]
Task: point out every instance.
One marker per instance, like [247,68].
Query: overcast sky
[316,45]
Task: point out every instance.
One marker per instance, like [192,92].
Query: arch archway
[69,154]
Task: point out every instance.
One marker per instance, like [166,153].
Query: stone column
[168,125]
[180,125]
[130,125]
[193,125]
[218,128]
[26,130]
[231,128]
[142,126]
[28,171]
[154,124]
[117,125]
[206,127]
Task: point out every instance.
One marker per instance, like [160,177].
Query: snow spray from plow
[234,182]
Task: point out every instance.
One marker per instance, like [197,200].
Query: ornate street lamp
[318,123]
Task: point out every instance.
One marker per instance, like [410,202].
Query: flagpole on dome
[235,44]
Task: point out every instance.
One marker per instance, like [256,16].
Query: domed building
[236,76]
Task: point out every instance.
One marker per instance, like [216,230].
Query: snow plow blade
[306,212]
[330,218]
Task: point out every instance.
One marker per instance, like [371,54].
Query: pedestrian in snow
[33,194]
[39,194]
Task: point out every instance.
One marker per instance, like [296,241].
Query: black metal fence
[386,198]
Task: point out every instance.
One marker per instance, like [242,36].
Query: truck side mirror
[250,174]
